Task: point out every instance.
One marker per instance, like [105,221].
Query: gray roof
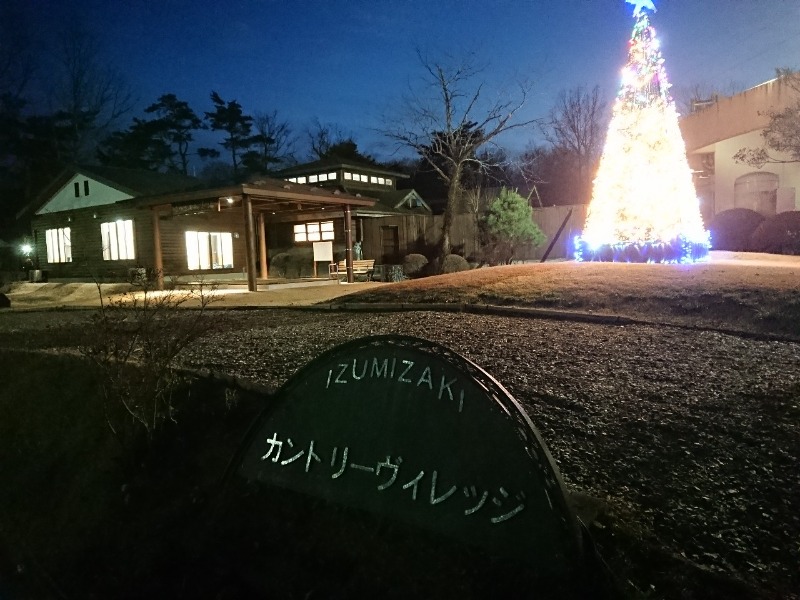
[139,182]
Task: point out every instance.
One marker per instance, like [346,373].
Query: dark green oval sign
[407,429]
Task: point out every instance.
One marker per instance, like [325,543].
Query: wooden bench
[360,267]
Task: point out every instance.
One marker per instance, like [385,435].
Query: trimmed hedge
[732,229]
[778,235]
[454,263]
[414,265]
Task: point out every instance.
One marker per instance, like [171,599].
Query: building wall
[415,234]
[87,251]
[99,194]
[173,239]
[734,116]
[86,240]
[727,171]
[714,135]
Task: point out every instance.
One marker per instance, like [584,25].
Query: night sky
[348,62]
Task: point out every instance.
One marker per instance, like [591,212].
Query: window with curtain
[59,248]
[118,240]
[209,250]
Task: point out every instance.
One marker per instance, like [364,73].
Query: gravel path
[694,435]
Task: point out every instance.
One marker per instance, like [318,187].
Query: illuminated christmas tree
[644,206]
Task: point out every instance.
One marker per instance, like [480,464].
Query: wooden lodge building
[102,222]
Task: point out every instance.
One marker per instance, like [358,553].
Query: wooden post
[262,245]
[250,242]
[158,259]
[348,240]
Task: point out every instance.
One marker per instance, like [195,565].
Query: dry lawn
[738,291]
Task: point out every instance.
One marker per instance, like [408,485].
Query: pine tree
[644,207]
[509,220]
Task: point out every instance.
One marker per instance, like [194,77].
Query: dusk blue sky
[349,62]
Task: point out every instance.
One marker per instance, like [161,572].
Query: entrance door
[390,245]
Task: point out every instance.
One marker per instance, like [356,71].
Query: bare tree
[576,128]
[451,123]
[781,135]
[550,174]
[322,136]
[274,140]
[88,97]
[530,170]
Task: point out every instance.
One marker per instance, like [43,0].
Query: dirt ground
[26,296]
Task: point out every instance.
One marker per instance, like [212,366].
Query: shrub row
[297,262]
[744,230]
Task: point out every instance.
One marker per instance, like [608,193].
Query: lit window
[373,179]
[313,178]
[301,180]
[365,178]
[59,248]
[332,176]
[209,250]
[293,179]
[381,180]
[388,182]
[348,175]
[313,232]
[118,240]
[323,177]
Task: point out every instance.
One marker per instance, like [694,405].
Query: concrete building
[717,131]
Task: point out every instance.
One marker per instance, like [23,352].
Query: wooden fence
[386,236]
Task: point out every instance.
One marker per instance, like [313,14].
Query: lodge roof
[139,182]
[335,164]
[134,182]
[279,195]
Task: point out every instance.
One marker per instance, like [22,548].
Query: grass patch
[752,295]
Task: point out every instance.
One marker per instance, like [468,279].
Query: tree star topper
[640,4]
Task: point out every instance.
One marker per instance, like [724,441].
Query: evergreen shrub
[454,263]
[414,265]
